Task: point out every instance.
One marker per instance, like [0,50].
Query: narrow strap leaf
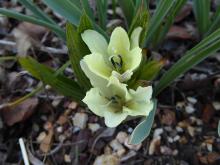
[142,130]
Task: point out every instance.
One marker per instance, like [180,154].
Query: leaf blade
[142,130]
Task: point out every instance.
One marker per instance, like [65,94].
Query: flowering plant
[114,76]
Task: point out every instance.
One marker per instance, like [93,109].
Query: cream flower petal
[142,93]
[119,42]
[97,65]
[132,60]
[95,80]
[123,77]
[113,119]
[95,42]
[117,88]
[139,108]
[95,101]
[135,36]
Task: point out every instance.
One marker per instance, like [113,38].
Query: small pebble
[216,105]
[179,129]
[80,120]
[60,129]
[209,147]
[166,150]
[73,105]
[116,145]
[48,125]
[175,152]
[35,127]
[176,138]
[41,137]
[170,140]
[191,131]
[192,100]
[61,138]
[121,136]
[180,105]
[107,150]
[56,102]
[106,160]
[94,127]
[189,109]
[67,158]
[153,145]
[157,132]
[130,130]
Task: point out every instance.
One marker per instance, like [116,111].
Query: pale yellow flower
[117,102]
[120,58]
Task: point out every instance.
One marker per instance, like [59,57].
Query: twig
[23,151]
[41,47]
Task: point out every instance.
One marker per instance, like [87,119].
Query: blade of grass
[102,12]
[204,49]
[67,9]
[36,11]
[215,24]
[22,17]
[162,10]
[87,9]
[202,10]
[128,8]
[164,28]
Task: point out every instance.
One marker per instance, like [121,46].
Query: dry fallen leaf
[21,112]
[178,32]
[26,35]
[208,113]
[168,117]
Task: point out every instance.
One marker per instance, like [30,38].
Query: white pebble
[189,109]
[80,120]
[216,105]
[157,132]
[192,100]
[121,136]
[93,127]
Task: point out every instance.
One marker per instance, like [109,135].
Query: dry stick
[42,48]
[24,152]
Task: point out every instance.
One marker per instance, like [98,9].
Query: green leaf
[167,23]
[22,17]
[140,19]
[102,6]
[219,128]
[157,19]
[58,82]
[37,11]
[202,11]
[150,70]
[71,12]
[128,8]
[142,130]
[87,9]
[66,8]
[215,24]
[204,49]
[77,48]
